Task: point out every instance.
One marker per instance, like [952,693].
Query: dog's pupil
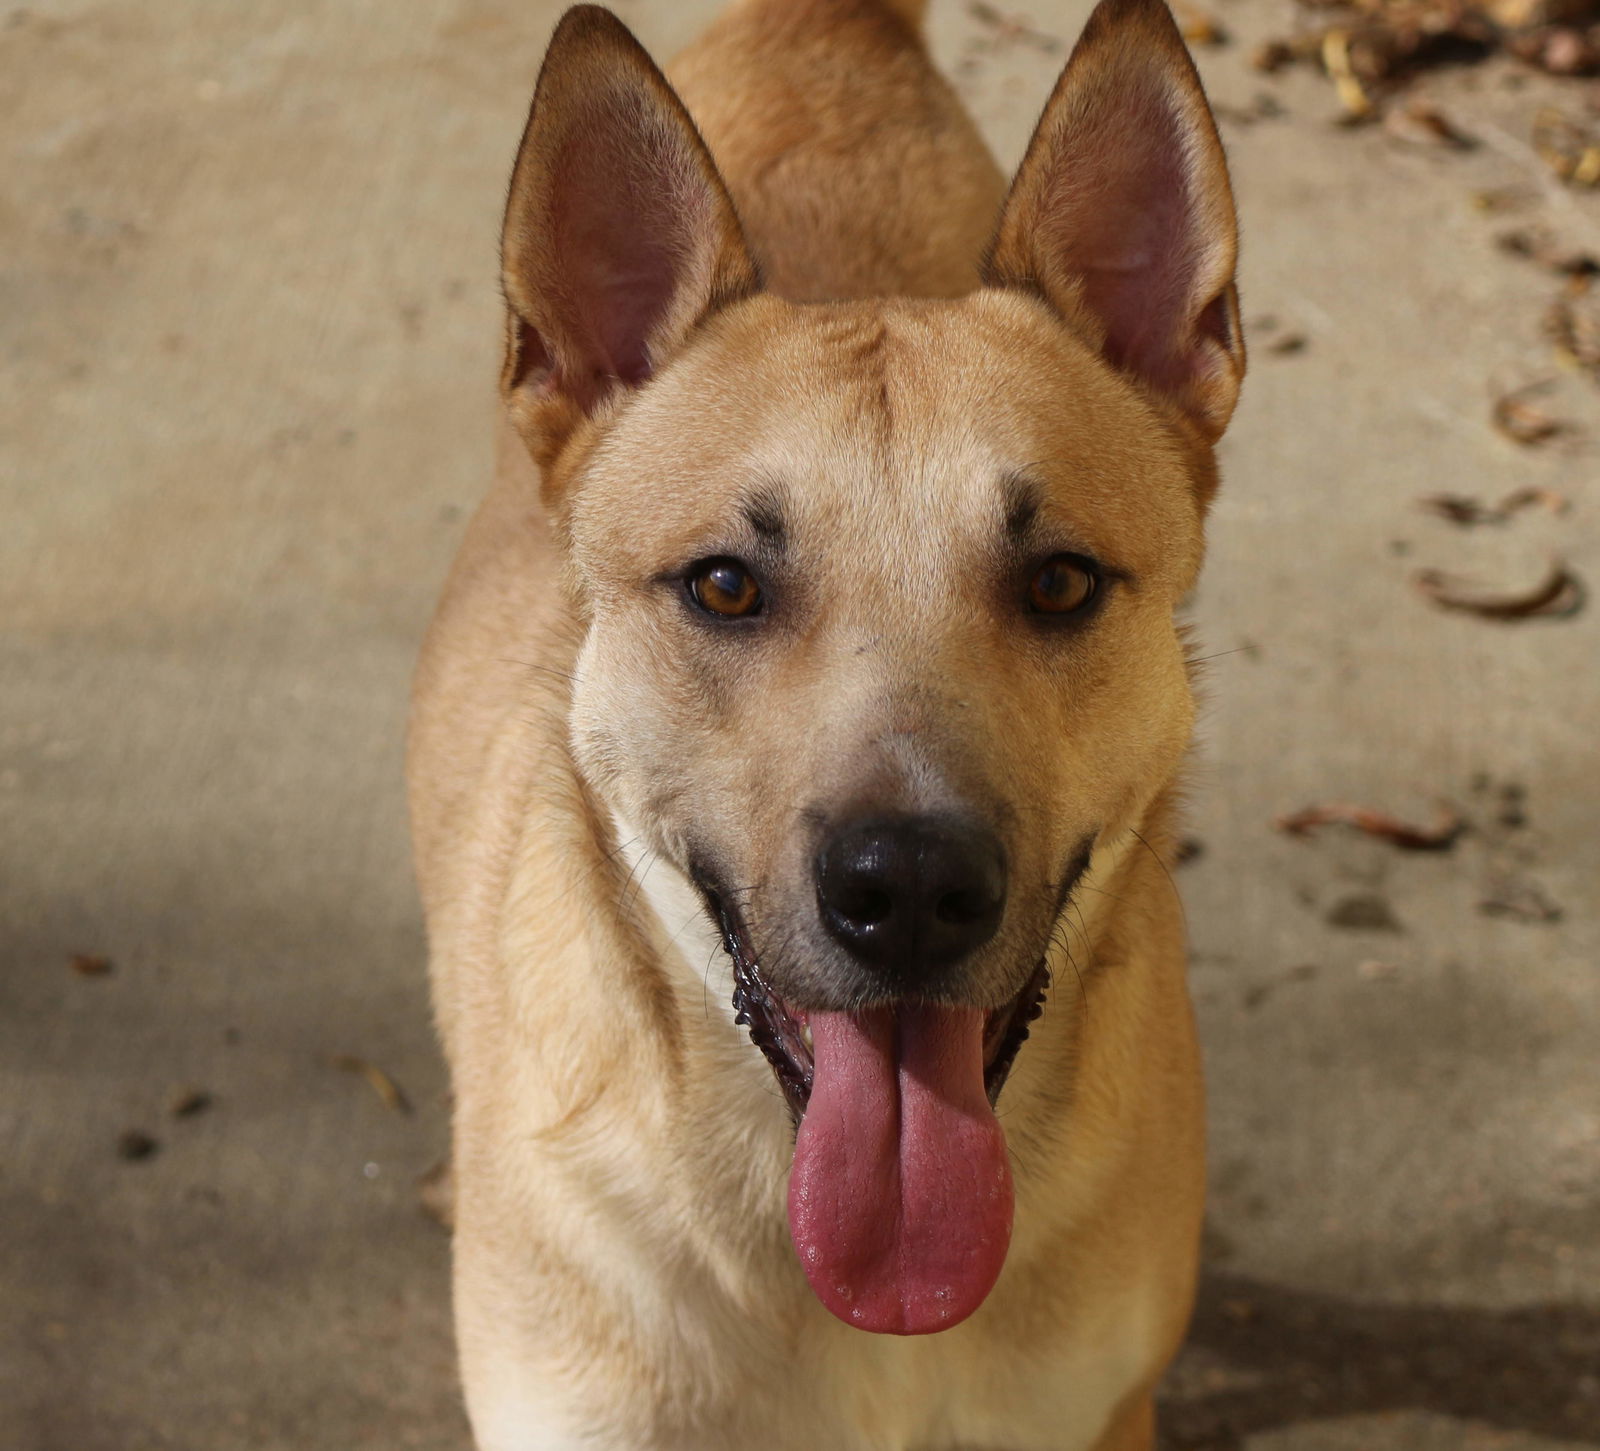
[728,589]
[1063,586]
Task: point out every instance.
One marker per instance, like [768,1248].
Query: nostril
[863,906]
[961,909]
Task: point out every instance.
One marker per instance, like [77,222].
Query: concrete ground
[248,333]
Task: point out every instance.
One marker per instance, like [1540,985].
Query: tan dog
[823,611]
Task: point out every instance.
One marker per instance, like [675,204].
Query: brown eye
[1062,586]
[725,587]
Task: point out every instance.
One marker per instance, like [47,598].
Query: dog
[796,750]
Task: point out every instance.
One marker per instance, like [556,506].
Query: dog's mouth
[783,1034]
[900,1193]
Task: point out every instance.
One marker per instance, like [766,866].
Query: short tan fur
[783,309]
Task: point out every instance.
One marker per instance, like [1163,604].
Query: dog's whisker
[544,669]
[1177,896]
[633,888]
[1104,892]
[1220,654]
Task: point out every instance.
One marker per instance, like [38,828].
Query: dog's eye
[1063,586]
[725,587]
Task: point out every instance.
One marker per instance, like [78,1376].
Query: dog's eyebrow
[1022,504]
[763,511]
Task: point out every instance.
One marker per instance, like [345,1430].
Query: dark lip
[777,1030]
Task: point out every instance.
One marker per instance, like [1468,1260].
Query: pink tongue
[900,1199]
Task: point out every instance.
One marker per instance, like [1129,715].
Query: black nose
[911,895]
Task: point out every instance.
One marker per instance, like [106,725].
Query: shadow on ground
[1286,1358]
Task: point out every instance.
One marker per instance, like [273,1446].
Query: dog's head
[878,597]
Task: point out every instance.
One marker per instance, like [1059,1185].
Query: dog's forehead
[861,421]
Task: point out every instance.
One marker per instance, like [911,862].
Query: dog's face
[878,596]
[921,602]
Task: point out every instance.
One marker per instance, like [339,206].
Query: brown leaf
[383,1085]
[1559,595]
[1272,55]
[1519,900]
[1517,419]
[1011,28]
[1561,327]
[1503,199]
[136,1144]
[91,964]
[1540,247]
[1548,499]
[1441,836]
[1422,121]
[1566,147]
[1372,48]
[1460,509]
[188,1101]
[1469,510]
[1339,64]
[1199,27]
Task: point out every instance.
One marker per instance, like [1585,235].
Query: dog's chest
[856,1394]
[821,1383]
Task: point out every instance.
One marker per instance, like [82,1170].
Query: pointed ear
[1122,217]
[619,234]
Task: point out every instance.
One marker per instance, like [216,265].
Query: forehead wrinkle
[927,504]
[1020,497]
[765,510]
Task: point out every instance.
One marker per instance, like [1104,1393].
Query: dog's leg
[1133,1428]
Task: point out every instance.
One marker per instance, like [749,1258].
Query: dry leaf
[1548,499]
[1518,900]
[1441,836]
[188,1101]
[1273,55]
[1199,27]
[1371,48]
[1469,510]
[1566,147]
[1559,595]
[136,1144]
[1011,29]
[1517,419]
[1337,62]
[1422,121]
[1541,247]
[384,1086]
[1503,199]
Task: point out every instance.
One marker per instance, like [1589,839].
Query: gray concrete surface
[247,345]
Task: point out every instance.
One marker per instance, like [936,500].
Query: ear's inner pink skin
[900,1199]
[624,268]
